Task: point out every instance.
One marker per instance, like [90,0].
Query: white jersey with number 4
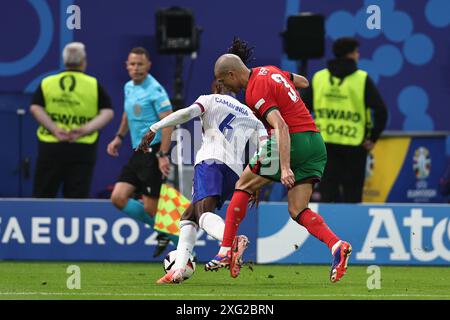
[227,126]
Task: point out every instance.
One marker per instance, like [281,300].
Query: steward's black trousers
[343,178]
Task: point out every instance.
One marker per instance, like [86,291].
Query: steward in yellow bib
[343,100]
[70,108]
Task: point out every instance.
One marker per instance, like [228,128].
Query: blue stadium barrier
[87,230]
[395,234]
[93,230]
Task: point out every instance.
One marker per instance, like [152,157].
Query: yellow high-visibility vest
[339,108]
[71,100]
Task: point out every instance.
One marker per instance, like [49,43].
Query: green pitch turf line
[48,280]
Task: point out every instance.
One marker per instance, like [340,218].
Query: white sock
[335,246]
[213,224]
[186,242]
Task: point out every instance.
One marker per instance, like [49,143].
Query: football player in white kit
[227,126]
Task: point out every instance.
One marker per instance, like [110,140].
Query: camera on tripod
[176,31]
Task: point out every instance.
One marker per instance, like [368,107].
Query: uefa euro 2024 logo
[370,165]
[422,163]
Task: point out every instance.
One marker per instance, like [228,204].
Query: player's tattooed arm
[146,140]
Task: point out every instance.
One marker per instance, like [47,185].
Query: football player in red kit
[295,155]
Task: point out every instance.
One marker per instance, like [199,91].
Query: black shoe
[163,242]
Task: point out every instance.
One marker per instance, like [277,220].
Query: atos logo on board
[384,218]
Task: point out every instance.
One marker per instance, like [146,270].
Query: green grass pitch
[48,280]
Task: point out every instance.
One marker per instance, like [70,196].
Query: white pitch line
[214,295]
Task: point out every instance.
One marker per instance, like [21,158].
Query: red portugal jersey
[270,87]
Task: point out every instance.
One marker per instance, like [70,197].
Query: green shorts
[308,157]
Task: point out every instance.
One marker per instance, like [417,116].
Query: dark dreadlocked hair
[241,49]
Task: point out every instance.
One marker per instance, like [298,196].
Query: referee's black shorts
[142,171]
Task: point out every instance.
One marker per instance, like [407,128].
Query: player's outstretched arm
[173,119]
[178,117]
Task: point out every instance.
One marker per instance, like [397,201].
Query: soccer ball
[169,261]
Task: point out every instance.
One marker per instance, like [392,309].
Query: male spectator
[146,102]
[70,107]
[343,98]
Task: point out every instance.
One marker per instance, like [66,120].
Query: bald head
[228,62]
[231,72]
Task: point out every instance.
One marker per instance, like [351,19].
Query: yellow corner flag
[171,206]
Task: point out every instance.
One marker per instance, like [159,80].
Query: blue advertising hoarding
[380,234]
[91,230]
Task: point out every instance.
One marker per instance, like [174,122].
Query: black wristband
[161,154]
[119,136]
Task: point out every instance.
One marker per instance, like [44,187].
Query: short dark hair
[141,50]
[344,46]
